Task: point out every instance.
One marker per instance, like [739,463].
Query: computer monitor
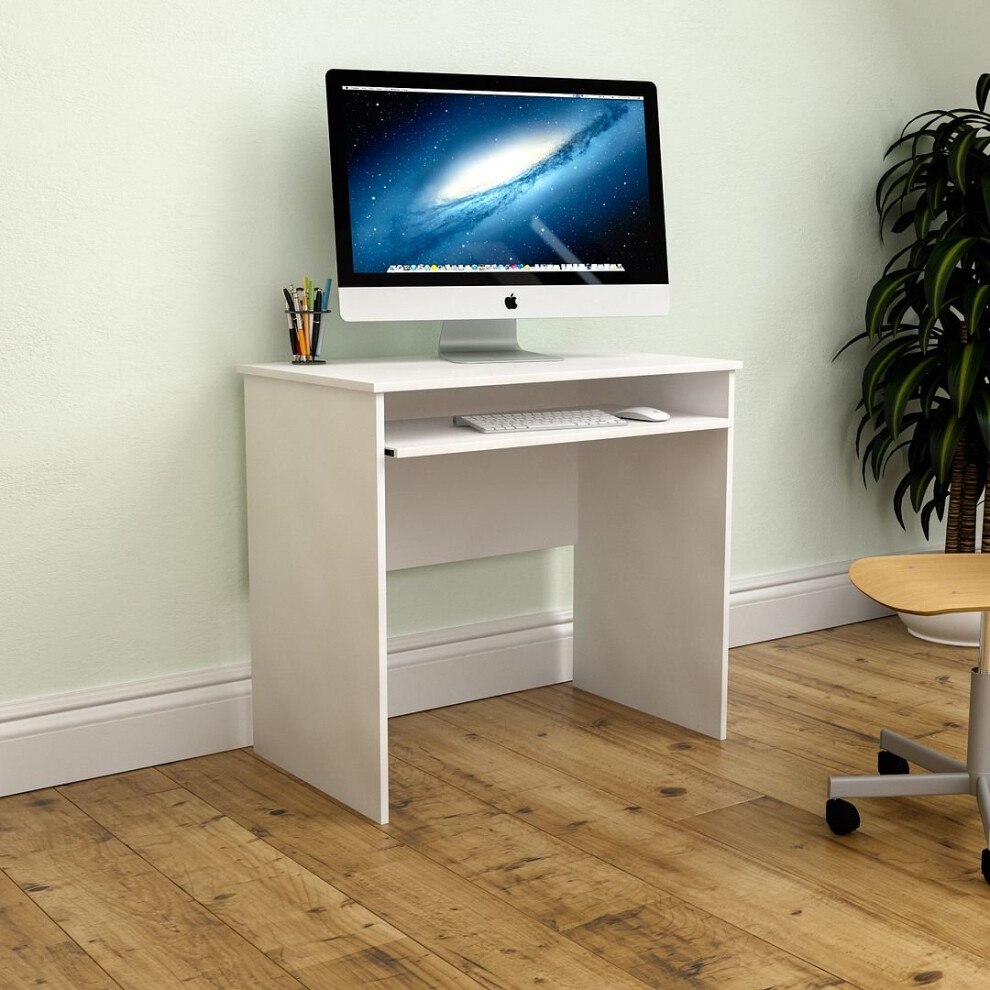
[476,200]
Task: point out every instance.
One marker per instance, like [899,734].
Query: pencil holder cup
[306,334]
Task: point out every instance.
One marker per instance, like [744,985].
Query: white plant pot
[948,629]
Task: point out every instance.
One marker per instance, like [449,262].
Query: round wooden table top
[926,583]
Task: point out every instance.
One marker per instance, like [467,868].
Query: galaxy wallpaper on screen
[463,179]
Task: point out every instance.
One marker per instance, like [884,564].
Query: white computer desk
[355,468]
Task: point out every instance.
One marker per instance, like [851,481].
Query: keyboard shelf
[438,435]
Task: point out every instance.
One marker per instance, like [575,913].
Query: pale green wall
[164,170]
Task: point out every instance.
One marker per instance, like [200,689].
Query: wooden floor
[545,839]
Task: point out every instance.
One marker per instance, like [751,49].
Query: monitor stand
[484,342]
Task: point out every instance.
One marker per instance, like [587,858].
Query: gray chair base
[948,776]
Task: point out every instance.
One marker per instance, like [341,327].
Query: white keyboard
[543,419]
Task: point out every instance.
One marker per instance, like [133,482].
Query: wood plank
[835,702]
[666,787]
[861,690]
[865,947]
[855,866]
[140,928]
[891,634]
[936,837]
[473,930]
[797,778]
[310,928]
[903,678]
[34,950]
[653,935]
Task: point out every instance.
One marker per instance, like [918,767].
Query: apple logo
[510,301]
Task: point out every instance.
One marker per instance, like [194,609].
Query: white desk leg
[651,576]
[316,521]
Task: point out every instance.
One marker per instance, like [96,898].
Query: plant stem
[953,520]
[970,499]
[985,538]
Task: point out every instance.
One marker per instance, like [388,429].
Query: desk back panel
[481,504]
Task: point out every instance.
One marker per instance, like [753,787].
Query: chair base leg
[983,800]
[898,785]
[948,776]
[920,756]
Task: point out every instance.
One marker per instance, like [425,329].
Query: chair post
[984,665]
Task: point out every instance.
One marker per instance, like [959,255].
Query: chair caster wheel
[985,865]
[891,763]
[843,818]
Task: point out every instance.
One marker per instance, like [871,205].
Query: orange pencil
[304,336]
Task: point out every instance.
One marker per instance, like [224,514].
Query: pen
[290,314]
[308,297]
[317,320]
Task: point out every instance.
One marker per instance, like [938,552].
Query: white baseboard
[99,731]
[448,666]
[796,602]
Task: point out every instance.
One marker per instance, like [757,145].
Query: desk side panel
[651,576]
[316,517]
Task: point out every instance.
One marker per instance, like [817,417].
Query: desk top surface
[415,374]
[926,583]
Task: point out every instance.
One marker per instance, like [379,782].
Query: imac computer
[476,200]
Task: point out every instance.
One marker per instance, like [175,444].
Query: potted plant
[926,382]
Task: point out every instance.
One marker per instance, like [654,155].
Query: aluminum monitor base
[484,342]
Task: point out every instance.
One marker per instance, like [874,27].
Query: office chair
[926,584]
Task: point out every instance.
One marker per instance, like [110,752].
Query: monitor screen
[461,181]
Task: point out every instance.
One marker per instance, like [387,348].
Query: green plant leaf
[893,321]
[917,171]
[939,269]
[982,88]
[881,193]
[964,367]
[895,187]
[928,398]
[919,485]
[925,330]
[903,221]
[934,114]
[903,381]
[916,249]
[913,136]
[859,431]
[896,203]
[944,441]
[899,492]
[975,304]
[849,343]
[873,455]
[946,231]
[936,193]
[957,157]
[922,218]
[981,407]
[882,295]
[926,516]
[876,367]
[947,131]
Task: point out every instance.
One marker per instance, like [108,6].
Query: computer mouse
[645,413]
